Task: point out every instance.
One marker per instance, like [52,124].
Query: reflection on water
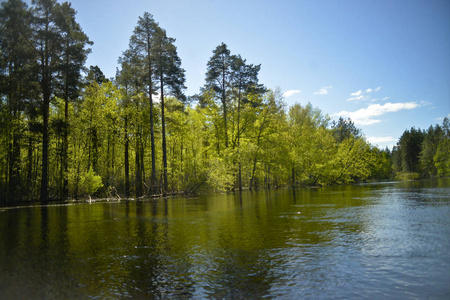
[378,240]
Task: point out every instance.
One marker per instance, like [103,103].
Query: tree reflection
[237,245]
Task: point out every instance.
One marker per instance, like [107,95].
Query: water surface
[386,240]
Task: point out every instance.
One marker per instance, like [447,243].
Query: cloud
[425,103]
[157,98]
[323,91]
[290,93]
[381,139]
[366,116]
[356,94]
[442,118]
[362,95]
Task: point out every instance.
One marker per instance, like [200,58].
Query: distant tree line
[423,153]
[66,135]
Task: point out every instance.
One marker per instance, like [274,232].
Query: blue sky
[384,64]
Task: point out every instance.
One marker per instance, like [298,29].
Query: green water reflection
[368,240]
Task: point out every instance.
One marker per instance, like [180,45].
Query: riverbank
[403,177]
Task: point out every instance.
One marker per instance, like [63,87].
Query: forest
[67,132]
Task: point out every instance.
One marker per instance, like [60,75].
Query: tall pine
[171,79]
[142,45]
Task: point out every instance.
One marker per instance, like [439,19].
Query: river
[383,240]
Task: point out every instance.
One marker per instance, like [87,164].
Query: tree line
[69,135]
[423,153]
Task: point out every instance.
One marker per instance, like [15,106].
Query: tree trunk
[293,176]
[29,164]
[127,162]
[239,142]
[138,179]
[141,148]
[95,146]
[46,93]
[252,179]
[65,145]
[108,158]
[65,156]
[14,151]
[154,187]
[45,142]
[164,147]
[224,104]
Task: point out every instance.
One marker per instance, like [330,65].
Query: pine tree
[74,55]
[142,44]
[219,80]
[244,82]
[16,64]
[171,78]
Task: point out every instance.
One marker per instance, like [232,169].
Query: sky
[384,64]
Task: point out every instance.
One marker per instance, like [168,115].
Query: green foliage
[220,175]
[429,149]
[43,52]
[101,136]
[353,161]
[382,166]
[407,176]
[344,129]
[95,74]
[423,152]
[311,145]
[90,183]
[442,157]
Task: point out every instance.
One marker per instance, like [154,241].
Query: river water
[384,240]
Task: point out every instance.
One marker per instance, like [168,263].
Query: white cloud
[362,95]
[157,98]
[323,91]
[290,93]
[381,139]
[423,102]
[442,118]
[366,116]
[355,94]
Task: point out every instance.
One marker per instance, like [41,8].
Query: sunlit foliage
[137,134]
